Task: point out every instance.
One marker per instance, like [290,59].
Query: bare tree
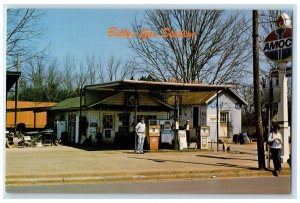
[95,72]
[42,82]
[113,65]
[53,78]
[23,35]
[69,68]
[80,80]
[246,91]
[127,70]
[100,75]
[91,69]
[219,52]
[37,68]
[90,72]
[59,81]
[31,84]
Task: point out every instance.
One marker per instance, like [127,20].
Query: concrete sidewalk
[63,164]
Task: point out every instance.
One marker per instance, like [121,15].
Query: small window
[108,121]
[224,117]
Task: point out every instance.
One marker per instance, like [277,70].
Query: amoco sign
[278,43]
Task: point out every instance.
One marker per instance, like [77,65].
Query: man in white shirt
[276,139]
[140,131]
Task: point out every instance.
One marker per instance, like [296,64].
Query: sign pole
[283,111]
[278,47]
[270,115]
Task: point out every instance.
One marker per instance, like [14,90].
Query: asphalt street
[255,186]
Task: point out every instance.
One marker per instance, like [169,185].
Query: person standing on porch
[140,131]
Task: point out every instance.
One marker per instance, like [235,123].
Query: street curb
[138,176]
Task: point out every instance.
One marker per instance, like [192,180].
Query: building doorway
[195,116]
[224,124]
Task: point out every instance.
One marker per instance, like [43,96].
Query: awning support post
[135,118]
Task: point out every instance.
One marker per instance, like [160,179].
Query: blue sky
[82,32]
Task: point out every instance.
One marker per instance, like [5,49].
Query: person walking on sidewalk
[275,139]
[140,131]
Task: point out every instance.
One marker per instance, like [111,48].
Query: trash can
[235,138]
[244,138]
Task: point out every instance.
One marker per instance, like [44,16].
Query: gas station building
[108,112]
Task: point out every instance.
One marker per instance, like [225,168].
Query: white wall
[208,115]
[226,103]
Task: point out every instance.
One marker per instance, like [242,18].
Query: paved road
[257,185]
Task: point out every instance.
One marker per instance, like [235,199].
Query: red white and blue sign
[278,45]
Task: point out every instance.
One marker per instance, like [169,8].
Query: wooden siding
[117,99]
[120,99]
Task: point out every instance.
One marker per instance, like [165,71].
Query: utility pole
[257,99]
[16,96]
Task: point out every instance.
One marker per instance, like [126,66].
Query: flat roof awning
[11,79]
[98,92]
[124,85]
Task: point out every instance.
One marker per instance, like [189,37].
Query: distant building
[200,108]
[108,110]
[32,114]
